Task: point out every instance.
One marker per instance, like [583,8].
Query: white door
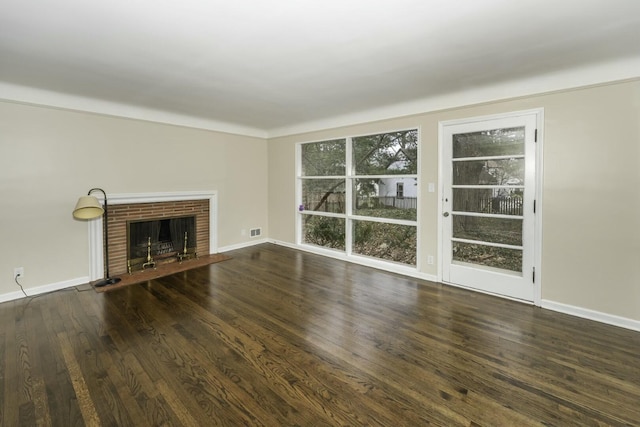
[488,203]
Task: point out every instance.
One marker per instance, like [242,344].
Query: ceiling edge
[593,74]
[40,97]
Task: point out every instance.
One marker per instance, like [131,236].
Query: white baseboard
[243,245]
[368,262]
[586,313]
[10,296]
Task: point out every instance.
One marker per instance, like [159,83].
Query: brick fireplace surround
[123,208]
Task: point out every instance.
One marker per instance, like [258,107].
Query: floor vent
[255,232]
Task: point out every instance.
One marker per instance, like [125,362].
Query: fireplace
[126,209]
[151,242]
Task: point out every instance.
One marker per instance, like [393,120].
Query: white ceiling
[272,67]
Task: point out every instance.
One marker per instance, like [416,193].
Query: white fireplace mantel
[96,242]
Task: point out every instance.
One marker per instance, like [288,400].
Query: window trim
[349,216]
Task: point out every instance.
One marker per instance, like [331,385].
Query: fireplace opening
[160,241]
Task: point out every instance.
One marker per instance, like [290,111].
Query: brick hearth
[121,213]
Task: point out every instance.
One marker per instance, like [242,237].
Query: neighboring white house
[398,192]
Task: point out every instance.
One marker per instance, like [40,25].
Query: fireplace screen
[159,241]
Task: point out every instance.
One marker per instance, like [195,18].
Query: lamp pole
[108,280]
[88,207]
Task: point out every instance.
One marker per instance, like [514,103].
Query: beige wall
[591,201]
[591,205]
[49,157]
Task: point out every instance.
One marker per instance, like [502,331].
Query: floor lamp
[88,207]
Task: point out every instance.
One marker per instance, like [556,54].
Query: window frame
[349,217]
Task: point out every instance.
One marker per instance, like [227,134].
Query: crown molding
[559,81]
[40,97]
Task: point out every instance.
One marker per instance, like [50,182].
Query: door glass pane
[386,154]
[390,242]
[502,201]
[507,200]
[378,198]
[497,142]
[489,172]
[326,195]
[326,158]
[323,231]
[489,256]
[492,230]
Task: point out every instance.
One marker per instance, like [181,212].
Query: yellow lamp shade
[88,207]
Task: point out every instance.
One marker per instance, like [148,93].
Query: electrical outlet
[430,259]
[18,272]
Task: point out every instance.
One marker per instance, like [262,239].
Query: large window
[350,199]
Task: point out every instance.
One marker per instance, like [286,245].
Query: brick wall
[120,214]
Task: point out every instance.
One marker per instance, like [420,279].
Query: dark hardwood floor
[277,337]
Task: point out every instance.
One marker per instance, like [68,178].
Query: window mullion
[298,200]
[349,197]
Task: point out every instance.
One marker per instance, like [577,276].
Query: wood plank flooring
[278,337]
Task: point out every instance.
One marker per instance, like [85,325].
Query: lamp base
[106,282]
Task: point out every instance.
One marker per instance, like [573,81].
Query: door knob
[446,214]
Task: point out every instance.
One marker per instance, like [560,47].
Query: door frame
[537,250]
